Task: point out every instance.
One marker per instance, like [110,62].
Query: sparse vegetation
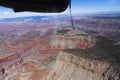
[63,31]
[104,50]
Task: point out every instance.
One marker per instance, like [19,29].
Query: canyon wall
[100,62]
[64,55]
[72,67]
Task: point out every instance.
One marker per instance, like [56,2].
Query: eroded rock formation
[80,57]
[100,62]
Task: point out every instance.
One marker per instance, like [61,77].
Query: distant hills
[110,14]
[27,19]
[32,18]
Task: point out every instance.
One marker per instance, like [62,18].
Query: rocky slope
[80,57]
[100,62]
[71,39]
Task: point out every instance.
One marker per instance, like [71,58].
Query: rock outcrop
[71,39]
[100,62]
[80,57]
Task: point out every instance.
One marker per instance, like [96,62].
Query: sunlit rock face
[94,63]
[61,54]
[71,67]
[71,39]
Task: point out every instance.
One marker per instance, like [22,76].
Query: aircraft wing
[36,5]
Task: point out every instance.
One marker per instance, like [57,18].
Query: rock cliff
[100,62]
[71,39]
[64,55]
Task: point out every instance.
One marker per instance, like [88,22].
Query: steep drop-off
[100,62]
[80,57]
[71,39]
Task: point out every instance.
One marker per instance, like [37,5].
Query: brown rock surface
[100,62]
[71,39]
[80,57]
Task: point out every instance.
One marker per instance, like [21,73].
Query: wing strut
[71,18]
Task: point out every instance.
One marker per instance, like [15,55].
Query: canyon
[51,51]
[94,63]
[65,55]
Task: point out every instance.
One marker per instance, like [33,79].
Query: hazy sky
[84,6]
[78,6]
